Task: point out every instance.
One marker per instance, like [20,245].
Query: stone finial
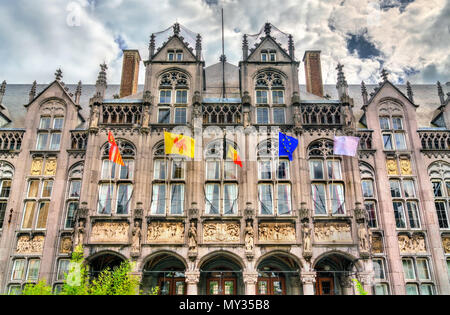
[32,93]
[78,93]
[364,93]
[341,85]
[409,92]
[223,58]
[384,75]
[100,86]
[267,29]
[58,75]
[2,91]
[291,47]
[176,29]
[198,46]
[440,93]
[245,47]
[152,47]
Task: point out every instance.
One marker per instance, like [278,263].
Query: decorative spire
[267,29]
[384,75]
[2,91]
[58,75]
[341,85]
[176,29]
[364,93]
[291,47]
[245,47]
[101,81]
[78,93]
[152,47]
[198,46]
[32,94]
[440,93]
[410,92]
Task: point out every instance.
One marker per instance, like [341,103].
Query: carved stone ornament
[66,245]
[405,167]
[110,232]
[79,233]
[306,235]
[360,213]
[193,240]
[363,237]
[249,237]
[95,117]
[146,117]
[446,243]
[136,239]
[304,213]
[36,167]
[412,245]
[332,232]
[165,232]
[391,165]
[308,277]
[50,167]
[377,244]
[277,232]
[221,232]
[192,277]
[25,245]
[250,277]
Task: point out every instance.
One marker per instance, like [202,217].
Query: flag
[114,153]
[346,145]
[179,144]
[233,154]
[286,146]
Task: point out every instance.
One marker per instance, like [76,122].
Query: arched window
[173,98]
[392,126]
[327,185]
[221,182]
[116,183]
[270,102]
[73,194]
[6,175]
[168,186]
[369,193]
[439,173]
[273,180]
[50,126]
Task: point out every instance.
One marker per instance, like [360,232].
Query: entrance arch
[103,261]
[165,271]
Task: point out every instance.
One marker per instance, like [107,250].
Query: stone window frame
[416,281]
[382,281]
[168,182]
[214,153]
[6,174]
[368,174]
[129,153]
[173,80]
[269,81]
[406,200]
[50,131]
[58,281]
[391,110]
[267,151]
[75,174]
[24,280]
[439,171]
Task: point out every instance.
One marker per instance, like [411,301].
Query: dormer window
[273,56]
[264,57]
[171,56]
[175,55]
[179,55]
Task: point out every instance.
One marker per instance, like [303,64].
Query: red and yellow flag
[179,144]
[233,154]
[114,153]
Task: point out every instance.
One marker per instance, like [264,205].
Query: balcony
[434,139]
[11,140]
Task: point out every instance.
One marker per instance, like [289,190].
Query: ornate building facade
[204,225]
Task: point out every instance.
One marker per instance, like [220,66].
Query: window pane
[212,198]
[213,170]
[263,57]
[160,169]
[277,97]
[63,269]
[426,289]
[181,97]
[75,189]
[171,57]
[177,199]
[284,199]
[58,123]
[437,189]
[422,269]
[123,198]
[337,198]
[33,269]
[319,198]
[411,289]
[378,268]
[159,199]
[42,141]
[177,169]
[387,142]
[2,212]
[230,203]
[283,169]
[230,170]
[397,123]
[262,115]
[18,269]
[55,142]
[381,289]
[70,218]
[316,169]
[108,169]
[265,169]
[44,123]
[43,214]
[279,116]
[413,215]
[384,123]
[408,187]
[28,216]
[447,184]
[266,199]
[164,116]
[6,189]
[334,170]
[165,97]
[399,215]
[400,141]
[408,269]
[372,214]
[367,188]
[180,115]
[47,188]
[395,189]
[105,195]
[126,172]
[442,214]
[15,290]
[33,188]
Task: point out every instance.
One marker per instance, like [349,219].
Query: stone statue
[306,238]
[249,234]
[136,241]
[95,116]
[192,237]
[363,237]
[146,118]
[80,233]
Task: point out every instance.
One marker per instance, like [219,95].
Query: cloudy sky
[411,38]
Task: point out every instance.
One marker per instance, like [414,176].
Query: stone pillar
[192,279]
[308,280]
[250,280]
[347,286]
[295,285]
[366,280]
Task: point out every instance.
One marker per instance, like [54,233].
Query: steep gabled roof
[265,39]
[169,41]
[385,83]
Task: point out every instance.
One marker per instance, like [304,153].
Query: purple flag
[346,145]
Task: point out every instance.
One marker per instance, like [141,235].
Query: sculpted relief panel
[221,232]
[411,245]
[277,232]
[446,243]
[325,232]
[25,245]
[166,232]
[110,232]
[377,244]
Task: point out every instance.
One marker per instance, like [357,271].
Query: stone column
[192,279]
[366,280]
[308,280]
[295,285]
[250,280]
[347,286]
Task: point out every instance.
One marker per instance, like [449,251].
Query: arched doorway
[278,275]
[334,274]
[166,272]
[101,262]
[221,275]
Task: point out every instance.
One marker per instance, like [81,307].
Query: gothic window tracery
[439,173]
[369,193]
[73,194]
[392,125]
[173,98]
[270,99]
[6,175]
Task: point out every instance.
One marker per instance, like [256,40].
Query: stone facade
[205,226]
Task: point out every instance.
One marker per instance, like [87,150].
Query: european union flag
[286,146]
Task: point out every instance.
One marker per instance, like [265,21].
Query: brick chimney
[130,72]
[313,72]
